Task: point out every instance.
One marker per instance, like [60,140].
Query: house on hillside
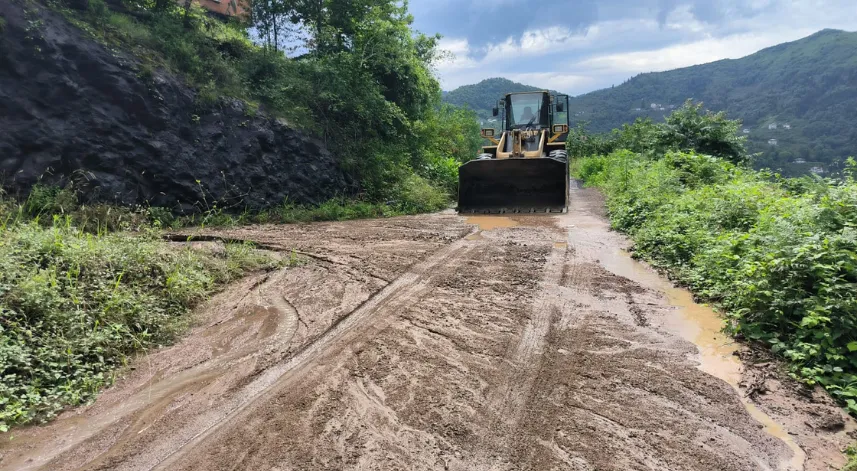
[654,106]
[746,131]
[772,126]
[817,170]
[787,126]
[799,161]
[772,142]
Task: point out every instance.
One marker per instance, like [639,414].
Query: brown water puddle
[701,325]
[487,223]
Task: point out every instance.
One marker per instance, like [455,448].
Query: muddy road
[445,343]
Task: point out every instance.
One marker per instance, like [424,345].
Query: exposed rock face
[73,110]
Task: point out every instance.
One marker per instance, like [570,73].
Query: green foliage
[779,257]
[581,143]
[98,11]
[365,84]
[851,453]
[74,306]
[689,128]
[808,84]
[483,96]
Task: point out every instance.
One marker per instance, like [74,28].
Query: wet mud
[443,342]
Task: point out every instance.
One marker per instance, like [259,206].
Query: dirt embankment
[72,109]
[433,343]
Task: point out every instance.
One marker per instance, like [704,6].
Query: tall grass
[778,256]
[75,303]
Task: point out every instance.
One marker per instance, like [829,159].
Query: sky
[577,46]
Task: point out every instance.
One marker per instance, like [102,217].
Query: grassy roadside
[44,202]
[84,287]
[777,256]
[75,305]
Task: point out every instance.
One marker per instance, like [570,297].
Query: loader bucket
[513,185]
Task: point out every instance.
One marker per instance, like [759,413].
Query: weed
[74,306]
[98,12]
[851,453]
[778,256]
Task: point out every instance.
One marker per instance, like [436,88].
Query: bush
[779,257]
[74,306]
[688,129]
[98,11]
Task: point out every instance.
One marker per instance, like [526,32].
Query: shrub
[74,306]
[98,11]
[779,257]
[688,129]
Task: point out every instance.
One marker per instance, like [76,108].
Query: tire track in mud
[510,399]
[382,305]
[275,316]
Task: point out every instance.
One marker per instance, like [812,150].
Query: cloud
[455,55]
[683,55]
[612,40]
[554,80]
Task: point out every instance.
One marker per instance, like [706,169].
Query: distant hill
[809,85]
[483,96]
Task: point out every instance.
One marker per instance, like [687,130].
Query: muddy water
[693,322]
[699,324]
[487,223]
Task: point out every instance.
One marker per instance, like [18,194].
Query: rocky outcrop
[72,110]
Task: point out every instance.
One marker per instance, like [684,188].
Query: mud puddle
[702,326]
[487,223]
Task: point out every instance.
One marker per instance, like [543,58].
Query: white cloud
[456,55]
[554,80]
[610,51]
[683,55]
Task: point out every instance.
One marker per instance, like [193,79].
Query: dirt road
[437,342]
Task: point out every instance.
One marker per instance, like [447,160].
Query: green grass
[851,453]
[84,287]
[778,256]
[76,304]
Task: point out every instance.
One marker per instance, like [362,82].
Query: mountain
[810,85]
[483,96]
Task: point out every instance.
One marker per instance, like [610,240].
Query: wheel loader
[525,166]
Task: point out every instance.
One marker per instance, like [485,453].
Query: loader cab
[527,111]
[532,110]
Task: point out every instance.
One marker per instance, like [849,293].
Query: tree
[691,128]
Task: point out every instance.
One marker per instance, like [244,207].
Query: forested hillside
[483,96]
[807,88]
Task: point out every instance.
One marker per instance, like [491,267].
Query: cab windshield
[525,110]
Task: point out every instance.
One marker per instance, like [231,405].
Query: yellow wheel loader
[525,167]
